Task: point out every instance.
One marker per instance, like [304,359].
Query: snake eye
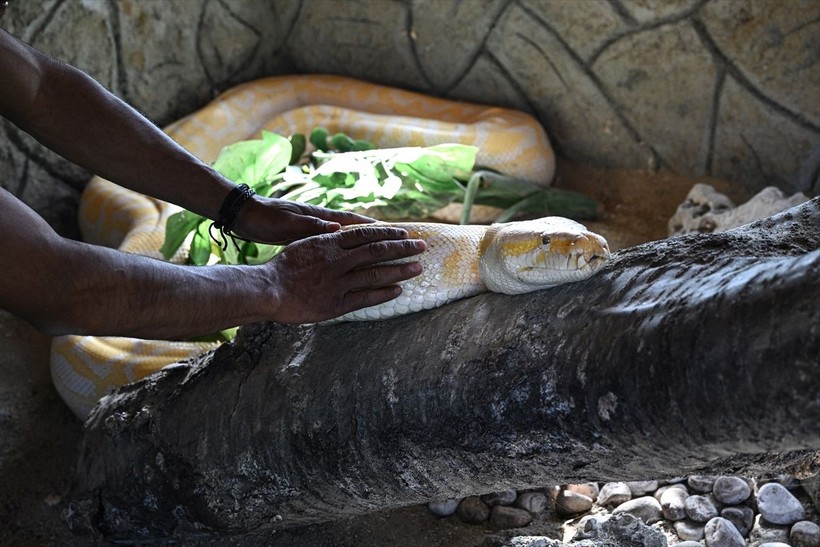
[545,240]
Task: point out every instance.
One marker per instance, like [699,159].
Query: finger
[356,300]
[382,251]
[356,237]
[382,276]
[343,218]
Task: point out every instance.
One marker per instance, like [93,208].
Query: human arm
[63,286]
[70,113]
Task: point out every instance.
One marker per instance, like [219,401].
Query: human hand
[325,276]
[279,221]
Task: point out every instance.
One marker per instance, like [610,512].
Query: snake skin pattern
[86,368]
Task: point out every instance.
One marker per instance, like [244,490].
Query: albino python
[460,261]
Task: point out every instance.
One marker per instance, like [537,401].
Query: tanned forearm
[57,108]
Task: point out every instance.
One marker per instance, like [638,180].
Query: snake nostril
[545,239]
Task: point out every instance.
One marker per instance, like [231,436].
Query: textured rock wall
[720,87]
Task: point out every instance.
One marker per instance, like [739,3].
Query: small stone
[645,508]
[778,505]
[700,508]
[773,544]
[505,497]
[614,494]
[805,534]
[742,517]
[731,490]
[503,516]
[689,530]
[639,488]
[588,489]
[719,532]
[701,483]
[763,532]
[443,508]
[673,502]
[534,502]
[688,543]
[660,491]
[472,510]
[571,503]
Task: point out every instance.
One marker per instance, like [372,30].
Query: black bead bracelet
[224,222]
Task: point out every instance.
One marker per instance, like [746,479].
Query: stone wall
[720,87]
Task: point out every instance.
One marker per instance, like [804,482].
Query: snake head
[519,257]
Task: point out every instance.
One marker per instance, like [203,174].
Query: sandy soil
[40,435]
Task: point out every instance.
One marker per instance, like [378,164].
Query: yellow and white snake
[460,260]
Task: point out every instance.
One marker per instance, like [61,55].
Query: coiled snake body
[460,261]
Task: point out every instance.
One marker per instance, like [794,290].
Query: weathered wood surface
[680,352]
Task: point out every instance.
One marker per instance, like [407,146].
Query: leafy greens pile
[347,174]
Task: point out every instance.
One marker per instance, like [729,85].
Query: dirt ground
[40,435]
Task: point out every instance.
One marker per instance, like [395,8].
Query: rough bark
[679,353]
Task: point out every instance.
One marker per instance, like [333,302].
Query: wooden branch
[678,353]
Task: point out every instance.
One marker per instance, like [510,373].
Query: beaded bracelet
[234,201]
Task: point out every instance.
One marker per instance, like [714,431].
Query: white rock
[589,489]
[570,503]
[614,494]
[443,508]
[805,534]
[700,508]
[778,505]
[731,490]
[645,508]
[707,210]
[673,503]
[660,491]
[689,530]
[719,532]
[639,488]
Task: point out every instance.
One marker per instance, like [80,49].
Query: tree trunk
[680,352]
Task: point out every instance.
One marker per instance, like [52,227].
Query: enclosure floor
[40,436]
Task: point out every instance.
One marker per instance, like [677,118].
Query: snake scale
[460,261]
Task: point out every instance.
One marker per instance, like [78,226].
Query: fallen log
[679,353]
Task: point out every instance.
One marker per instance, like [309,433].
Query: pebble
[731,490]
[443,508]
[672,503]
[614,494]
[505,497]
[688,543]
[534,502]
[588,489]
[701,483]
[773,544]
[805,534]
[778,505]
[639,488]
[503,516]
[571,503]
[700,508]
[688,530]
[719,532]
[742,517]
[660,491]
[645,508]
[472,510]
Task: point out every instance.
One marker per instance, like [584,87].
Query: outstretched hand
[325,276]
[269,220]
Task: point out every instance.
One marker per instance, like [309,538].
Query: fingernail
[416,268]
[419,245]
